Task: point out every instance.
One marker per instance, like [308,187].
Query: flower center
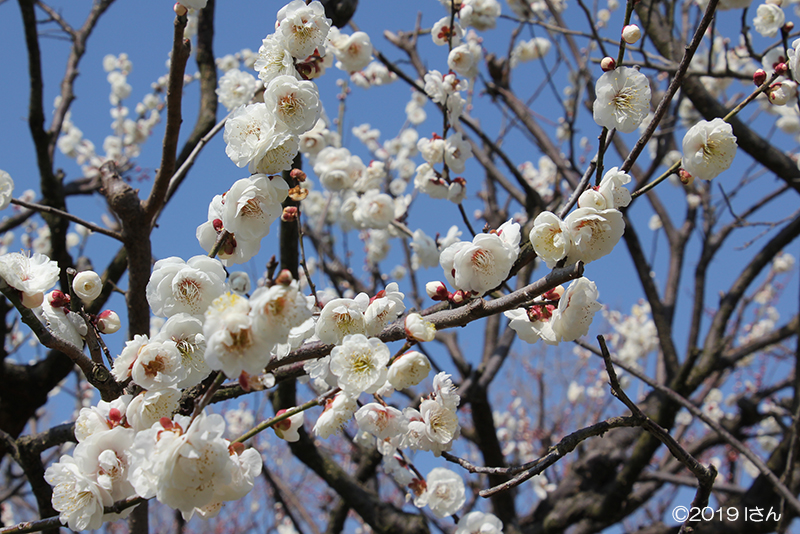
[189,292]
[483,260]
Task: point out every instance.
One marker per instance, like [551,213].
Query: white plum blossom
[425,252]
[483,264]
[384,308]
[444,89]
[336,413]
[359,364]
[236,88]
[337,168]
[353,52]
[66,324]
[158,365]
[524,51]
[442,32]
[479,523]
[239,282]
[708,148]
[408,370]
[623,99]
[232,251]
[769,19]
[232,343]
[431,150]
[87,285]
[445,493]
[550,238]
[6,189]
[594,233]
[441,421]
[465,59]
[31,275]
[381,421]
[278,309]
[252,204]
[184,466]
[480,14]
[255,138]
[576,309]
[456,152]
[76,496]
[294,102]
[148,407]
[104,416]
[418,329]
[186,331]
[121,369]
[340,318]
[374,210]
[302,28]
[566,322]
[612,188]
[178,286]
[430,183]
[274,60]
[288,429]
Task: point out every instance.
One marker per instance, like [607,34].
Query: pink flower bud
[437,291]
[686,178]
[759,77]
[608,64]
[788,27]
[180,9]
[459,296]
[781,69]
[58,299]
[298,175]
[284,278]
[108,322]
[631,33]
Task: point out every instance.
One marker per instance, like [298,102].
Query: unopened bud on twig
[289,214]
[108,322]
[631,33]
[759,77]
[608,64]
[180,9]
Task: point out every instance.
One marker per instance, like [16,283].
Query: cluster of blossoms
[185,463]
[128,133]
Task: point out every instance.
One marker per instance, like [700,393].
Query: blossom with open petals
[623,99]
[708,148]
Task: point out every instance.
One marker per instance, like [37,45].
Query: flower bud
[418,329]
[239,282]
[289,214]
[284,278]
[459,296]
[631,33]
[780,93]
[686,178]
[759,77]
[608,64]
[58,299]
[554,294]
[108,322]
[298,175]
[87,285]
[781,69]
[409,370]
[180,9]
[437,291]
[32,300]
[788,27]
